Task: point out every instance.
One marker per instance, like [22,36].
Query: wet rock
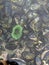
[2,48]
[18,2]
[30,14]
[10,46]
[33,16]
[35,24]
[17,11]
[42,1]
[16,61]
[34,6]
[1,42]
[32,37]
[38,61]
[47,35]
[46,19]
[25,31]
[30,63]
[28,55]
[0,32]
[29,44]
[26,7]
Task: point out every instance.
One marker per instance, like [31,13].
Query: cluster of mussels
[24,31]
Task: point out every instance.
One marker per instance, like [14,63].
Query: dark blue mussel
[16,62]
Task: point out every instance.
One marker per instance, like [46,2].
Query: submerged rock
[38,61]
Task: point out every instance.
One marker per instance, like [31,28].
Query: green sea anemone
[17,32]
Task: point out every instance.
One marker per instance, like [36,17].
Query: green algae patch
[17,32]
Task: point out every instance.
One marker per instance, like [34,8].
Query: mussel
[12,62]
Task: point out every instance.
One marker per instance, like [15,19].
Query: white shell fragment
[37,19]
[34,6]
[19,61]
[43,54]
[44,62]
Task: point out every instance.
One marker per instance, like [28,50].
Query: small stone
[32,37]
[27,55]
[10,46]
[44,62]
[0,32]
[38,61]
[29,44]
[39,42]
[36,19]
[34,6]
[25,31]
[35,14]
[42,2]
[30,14]
[30,62]
[16,20]
[18,61]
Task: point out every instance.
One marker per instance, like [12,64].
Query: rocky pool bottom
[24,31]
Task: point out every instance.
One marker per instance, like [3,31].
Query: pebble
[29,44]
[34,6]
[10,46]
[32,37]
[38,61]
[34,24]
[42,2]
[0,32]
[28,55]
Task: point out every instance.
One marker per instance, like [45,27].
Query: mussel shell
[16,62]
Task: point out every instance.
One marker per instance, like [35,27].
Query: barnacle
[17,32]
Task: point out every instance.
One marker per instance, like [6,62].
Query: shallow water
[31,44]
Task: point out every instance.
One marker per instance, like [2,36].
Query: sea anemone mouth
[17,32]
